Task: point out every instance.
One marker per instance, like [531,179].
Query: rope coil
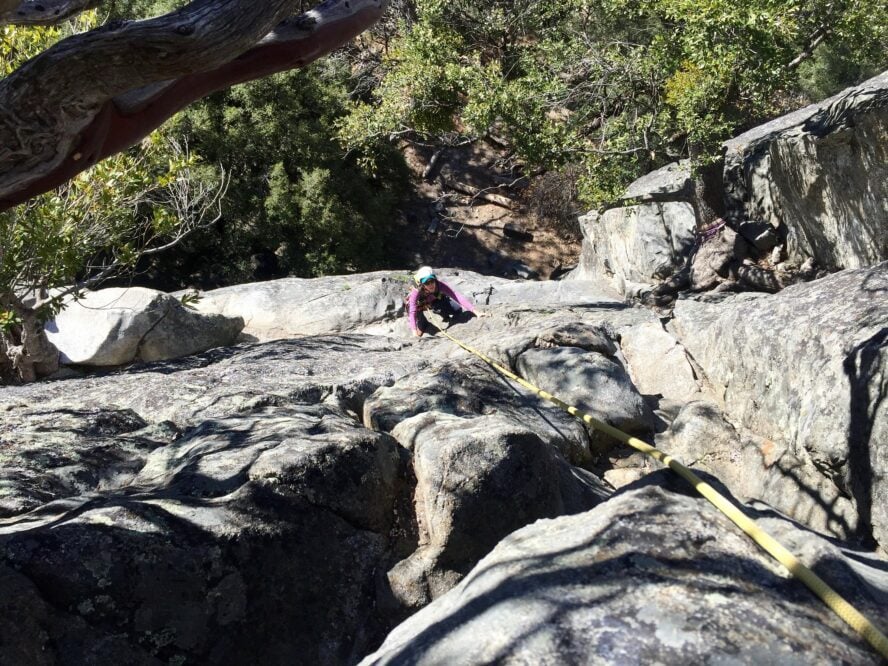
[841,607]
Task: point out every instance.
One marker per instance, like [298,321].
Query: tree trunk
[30,353]
[708,197]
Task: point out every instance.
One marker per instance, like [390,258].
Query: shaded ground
[463,200]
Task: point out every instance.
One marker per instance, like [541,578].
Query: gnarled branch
[96,94]
[42,12]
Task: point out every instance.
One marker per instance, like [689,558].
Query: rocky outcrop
[371,302]
[805,193]
[153,513]
[477,480]
[636,246]
[819,178]
[757,468]
[468,390]
[121,325]
[806,368]
[650,576]
[224,527]
[332,484]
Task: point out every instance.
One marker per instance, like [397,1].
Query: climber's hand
[417,333]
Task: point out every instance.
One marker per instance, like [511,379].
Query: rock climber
[430,293]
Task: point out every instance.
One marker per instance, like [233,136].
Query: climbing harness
[854,618]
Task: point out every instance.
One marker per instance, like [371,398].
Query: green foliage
[611,88]
[21,43]
[296,204]
[105,217]
[836,66]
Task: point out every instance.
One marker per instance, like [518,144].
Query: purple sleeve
[411,309]
[449,292]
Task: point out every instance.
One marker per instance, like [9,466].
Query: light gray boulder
[636,246]
[291,307]
[120,325]
[756,468]
[671,182]
[819,176]
[592,382]
[478,479]
[470,389]
[650,576]
[805,368]
[658,364]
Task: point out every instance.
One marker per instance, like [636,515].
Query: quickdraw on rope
[854,618]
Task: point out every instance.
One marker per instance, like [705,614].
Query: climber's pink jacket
[420,300]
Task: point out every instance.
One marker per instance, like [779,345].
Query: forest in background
[302,173]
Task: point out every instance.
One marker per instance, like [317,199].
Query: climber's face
[429,284]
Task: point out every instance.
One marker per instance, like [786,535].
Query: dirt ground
[458,214]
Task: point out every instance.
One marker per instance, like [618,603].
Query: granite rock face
[118,326]
[650,576]
[636,246]
[806,192]
[477,480]
[225,525]
[332,484]
[819,177]
[808,369]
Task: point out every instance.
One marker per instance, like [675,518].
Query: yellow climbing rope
[830,597]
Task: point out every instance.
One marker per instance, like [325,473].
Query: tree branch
[42,12]
[96,94]
[813,42]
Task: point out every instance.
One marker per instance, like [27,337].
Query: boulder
[477,480]
[121,325]
[819,176]
[658,364]
[755,468]
[296,306]
[636,246]
[593,383]
[251,538]
[650,576]
[671,182]
[805,368]
[470,389]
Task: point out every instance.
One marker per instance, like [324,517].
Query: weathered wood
[42,12]
[96,94]
[475,193]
